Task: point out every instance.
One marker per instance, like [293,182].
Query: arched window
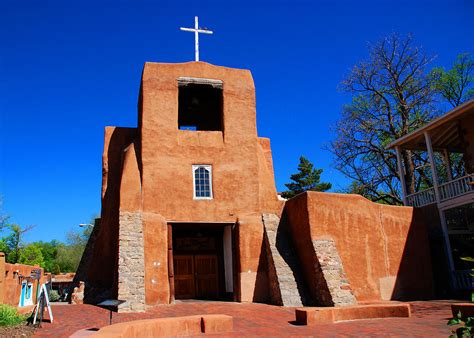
[202,181]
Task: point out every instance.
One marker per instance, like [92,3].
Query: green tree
[69,255]
[456,85]
[308,178]
[56,270]
[53,256]
[4,247]
[14,241]
[31,255]
[49,251]
[391,96]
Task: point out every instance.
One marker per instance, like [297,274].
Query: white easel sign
[43,301]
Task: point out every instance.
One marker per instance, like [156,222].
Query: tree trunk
[409,171]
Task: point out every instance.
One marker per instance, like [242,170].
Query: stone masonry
[284,288]
[329,268]
[131,263]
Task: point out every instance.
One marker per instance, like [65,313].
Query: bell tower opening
[200,104]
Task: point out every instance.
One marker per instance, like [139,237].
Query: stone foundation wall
[329,267]
[270,222]
[286,284]
[131,262]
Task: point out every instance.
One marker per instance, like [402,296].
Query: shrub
[54,296]
[9,315]
[465,328]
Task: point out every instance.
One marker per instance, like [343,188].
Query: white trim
[208,167]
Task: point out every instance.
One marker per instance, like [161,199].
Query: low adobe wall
[325,315]
[169,327]
[10,281]
[384,249]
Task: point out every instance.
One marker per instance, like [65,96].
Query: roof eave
[452,114]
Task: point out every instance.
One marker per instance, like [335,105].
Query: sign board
[35,274]
[43,301]
[111,305]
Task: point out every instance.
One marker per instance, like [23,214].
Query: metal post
[401,174]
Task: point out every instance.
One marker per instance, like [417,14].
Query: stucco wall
[384,249]
[243,183]
[240,162]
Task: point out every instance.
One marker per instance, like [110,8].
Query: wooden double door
[196,276]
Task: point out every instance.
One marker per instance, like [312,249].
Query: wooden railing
[422,198]
[457,187]
[463,280]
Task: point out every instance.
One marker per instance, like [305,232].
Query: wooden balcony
[447,191]
[422,198]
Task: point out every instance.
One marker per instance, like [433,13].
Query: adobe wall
[102,275]
[241,162]
[384,249]
[10,281]
[243,183]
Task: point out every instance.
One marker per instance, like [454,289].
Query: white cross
[196,31]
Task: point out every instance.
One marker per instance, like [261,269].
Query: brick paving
[428,319]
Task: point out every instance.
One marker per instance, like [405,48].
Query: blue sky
[67,69]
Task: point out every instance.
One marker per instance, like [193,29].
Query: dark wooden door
[196,276]
[184,276]
[207,284]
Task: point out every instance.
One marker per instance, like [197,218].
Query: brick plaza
[428,319]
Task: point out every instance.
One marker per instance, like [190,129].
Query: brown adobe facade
[14,279]
[190,210]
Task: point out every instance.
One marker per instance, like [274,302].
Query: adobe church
[190,211]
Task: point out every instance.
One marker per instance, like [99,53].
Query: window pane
[202,182]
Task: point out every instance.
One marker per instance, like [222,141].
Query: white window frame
[208,167]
